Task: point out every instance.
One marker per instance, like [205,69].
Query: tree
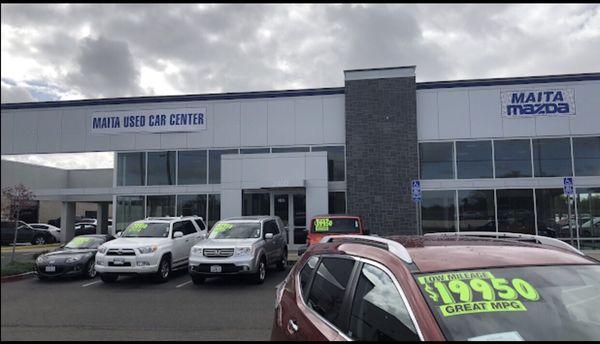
[17,197]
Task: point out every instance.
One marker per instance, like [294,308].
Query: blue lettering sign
[532,103]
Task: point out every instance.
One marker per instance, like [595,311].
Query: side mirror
[177,235]
[203,236]
[269,236]
[118,234]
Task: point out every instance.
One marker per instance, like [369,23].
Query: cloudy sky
[59,52]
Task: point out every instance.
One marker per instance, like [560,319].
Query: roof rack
[518,236]
[392,246]
[169,218]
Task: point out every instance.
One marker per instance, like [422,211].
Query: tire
[164,270]
[283,261]
[198,279]
[261,273]
[39,240]
[90,269]
[108,278]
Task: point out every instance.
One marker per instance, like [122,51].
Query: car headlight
[40,259]
[73,259]
[243,251]
[102,249]
[196,251]
[147,249]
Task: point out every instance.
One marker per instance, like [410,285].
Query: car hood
[136,242]
[69,252]
[224,243]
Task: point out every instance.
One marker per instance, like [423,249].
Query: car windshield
[540,303]
[334,225]
[141,229]
[83,242]
[235,230]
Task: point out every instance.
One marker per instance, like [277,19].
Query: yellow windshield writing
[222,226]
[80,241]
[137,227]
[322,225]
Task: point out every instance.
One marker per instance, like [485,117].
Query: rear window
[522,303]
[334,225]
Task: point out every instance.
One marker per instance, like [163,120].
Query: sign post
[568,190]
[416,197]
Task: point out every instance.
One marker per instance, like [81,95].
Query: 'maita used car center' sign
[538,102]
[148,121]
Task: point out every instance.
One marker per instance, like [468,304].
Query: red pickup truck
[323,225]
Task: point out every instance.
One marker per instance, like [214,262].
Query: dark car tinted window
[271,227]
[378,311]
[200,224]
[329,285]
[307,272]
[188,228]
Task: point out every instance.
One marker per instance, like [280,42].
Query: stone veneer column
[381,148]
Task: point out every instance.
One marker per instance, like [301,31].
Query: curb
[17,277]
[8,249]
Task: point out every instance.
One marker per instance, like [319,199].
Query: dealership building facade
[490,154]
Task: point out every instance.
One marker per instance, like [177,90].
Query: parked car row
[42,233]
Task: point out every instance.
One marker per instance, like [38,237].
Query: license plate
[50,268]
[119,261]
[215,268]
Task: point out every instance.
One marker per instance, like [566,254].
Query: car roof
[255,218]
[337,216]
[432,254]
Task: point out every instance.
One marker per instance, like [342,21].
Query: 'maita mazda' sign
[538,102]
[148,121]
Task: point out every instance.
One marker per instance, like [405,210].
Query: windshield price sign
[322,225]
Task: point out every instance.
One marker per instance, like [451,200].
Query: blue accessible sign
[416,191]
[568,186]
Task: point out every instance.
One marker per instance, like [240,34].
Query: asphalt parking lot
[137,308]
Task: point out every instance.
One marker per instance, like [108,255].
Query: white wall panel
[427,116]
[25,135]
[309,120]
[453,114]
[281,122]
[254,119]
[48,131]
[587,109]
[485,113]
[7,131]
[147,141]
[73,130]
[227,124]
[203,138]
[173,140]
[334,119]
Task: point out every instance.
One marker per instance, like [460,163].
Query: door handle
[292,326]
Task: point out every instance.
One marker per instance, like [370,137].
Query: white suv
[155,246]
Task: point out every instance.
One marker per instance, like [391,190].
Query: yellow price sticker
[322,225]
[223,226]
[137,227]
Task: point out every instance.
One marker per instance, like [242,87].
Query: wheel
[283,262]
[164,269]
[90,269]
[39,240]
[261,273]
[198,279]
[108,278]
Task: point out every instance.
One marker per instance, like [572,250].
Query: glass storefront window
[214,164]
[588,207]
[289,149]
[512,158]
[474,159]
[586,152]
[515,211]
[192,167]
[337,203]
[476,210]
[189,205]
[552,157]
[553,213]
[256,204]
[300,231]
[336,165]
[214,209]
[255,150]
[161,168]
[131,169]
[436,160]
[438,211]
[129,209]
[157,206]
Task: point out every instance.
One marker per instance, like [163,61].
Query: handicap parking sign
[568,186]
[416,191]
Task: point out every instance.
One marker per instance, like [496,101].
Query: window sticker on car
[80,241]
[137,227]
[221,227]
[322,225]
[468,292]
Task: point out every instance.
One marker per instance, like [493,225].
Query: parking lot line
[85,285]
[182,284]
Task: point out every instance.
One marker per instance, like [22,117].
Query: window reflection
[512,158]
[515,211]
[552,157]
[474,159]
[437,160]
[476,210]
[586,152]
[437,211]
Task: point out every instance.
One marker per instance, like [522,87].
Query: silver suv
[240,245]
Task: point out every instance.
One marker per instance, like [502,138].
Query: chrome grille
[120,252]
[218,252]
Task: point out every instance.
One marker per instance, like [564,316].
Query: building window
[131,169]
[586,152]
[512,158]
[515,211]
[157,206]
[553,213]
[256,204]
[255,150]
[336,162]
[588,203]
[552,157]
[214,164]
[161,168]
[129,209]
[438,211]
[214,209]
[192,167]
[474,159]
[337,203]
[476,210]
[436,160]
[290,150]
[189,205]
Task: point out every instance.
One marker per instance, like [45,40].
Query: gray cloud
[15,94]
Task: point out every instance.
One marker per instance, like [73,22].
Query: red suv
[324,225]
[454,286]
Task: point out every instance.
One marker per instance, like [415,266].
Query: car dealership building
[490,154]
